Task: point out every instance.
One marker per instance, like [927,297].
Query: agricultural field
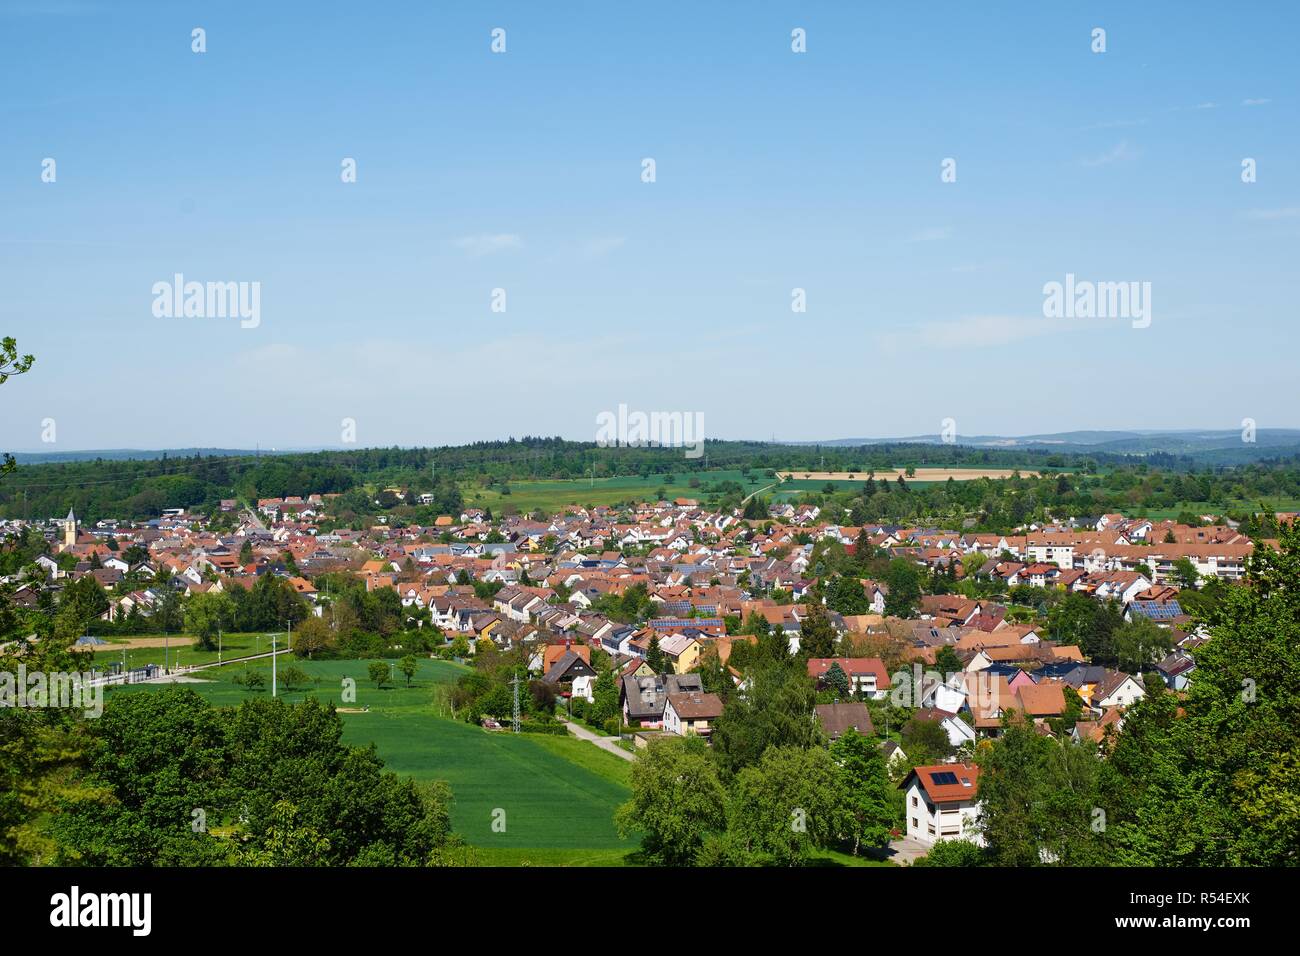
[552,495]
[558,794]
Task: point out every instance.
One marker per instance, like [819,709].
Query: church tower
[70,530]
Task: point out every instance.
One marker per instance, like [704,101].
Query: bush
[952,853]
[612,726]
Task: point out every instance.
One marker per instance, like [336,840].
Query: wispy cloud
[486,245]
[1268,215]
[1206,106]
[976,331]
[1119,153]
[1115,124]
[603,246]
[930,234]
[1256,102]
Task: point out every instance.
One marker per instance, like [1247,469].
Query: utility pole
[218,645]
[515,705]
[272,665]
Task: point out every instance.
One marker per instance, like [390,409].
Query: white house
[940,803]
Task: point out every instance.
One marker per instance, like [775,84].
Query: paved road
[604,743]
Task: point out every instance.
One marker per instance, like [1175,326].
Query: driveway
[905,850]
[604,743]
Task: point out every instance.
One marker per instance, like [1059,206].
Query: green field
[551,495]
[232,645]
[558,794]
[1274,503]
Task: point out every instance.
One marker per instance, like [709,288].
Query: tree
[1185,573]
[790,802]
[408,666]
[250,680]
[11,363]
[1039,799]
[312,636]
[837,680]
[847,596]
[869,799]
[654,656]
[379,673]
[677,801]
[972,562]
[776,711]
[1141,642]
[207,613]
[816,634]
[1217,766]
[903,584]
[292,677]
[946,660]
[925,742]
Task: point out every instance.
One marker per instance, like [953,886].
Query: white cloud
[1256,102]
[486,245]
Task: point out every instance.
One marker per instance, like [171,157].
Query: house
[1176,669]
[1116,689]
[941,803]
[682,649]
[895,756]
[867,675]
[959,732]
[573,672]
[644,695]
[840,716]
[691,712]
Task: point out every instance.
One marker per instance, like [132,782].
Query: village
[702,582]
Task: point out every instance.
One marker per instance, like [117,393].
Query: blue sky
[522,171]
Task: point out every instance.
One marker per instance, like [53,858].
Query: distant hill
[126,454]
[1206,446]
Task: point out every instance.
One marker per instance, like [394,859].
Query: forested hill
[141,488]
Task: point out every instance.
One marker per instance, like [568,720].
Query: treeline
[1001,505]
[135,489]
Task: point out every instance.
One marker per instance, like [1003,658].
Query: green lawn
[557,794]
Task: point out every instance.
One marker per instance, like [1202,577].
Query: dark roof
[839,717]
[568,667]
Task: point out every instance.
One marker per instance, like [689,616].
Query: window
[913,799]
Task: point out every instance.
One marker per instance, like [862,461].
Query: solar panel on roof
[943,778]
